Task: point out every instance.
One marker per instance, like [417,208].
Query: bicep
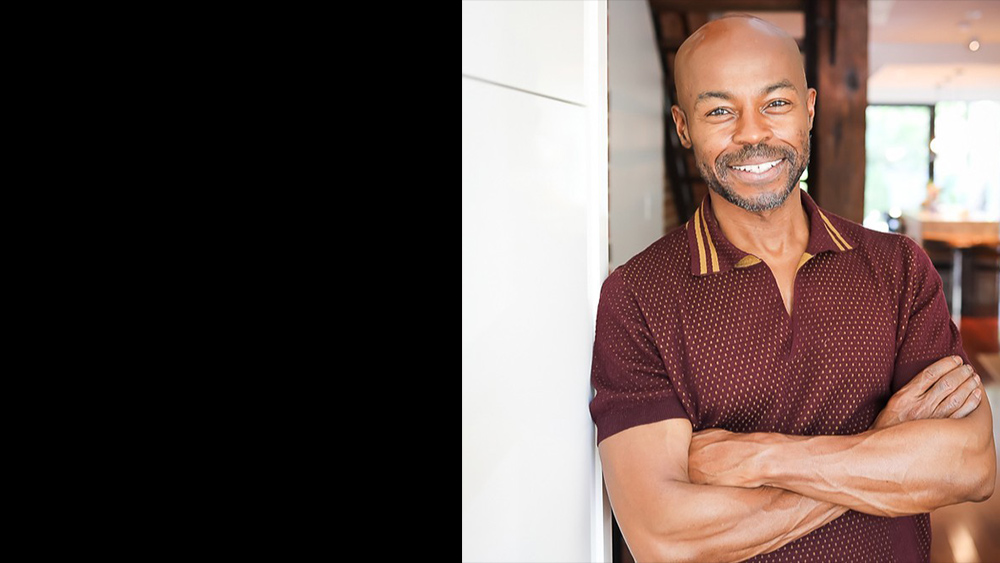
[925,330]
[638,463]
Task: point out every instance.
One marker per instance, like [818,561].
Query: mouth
[757,168]
[759,174]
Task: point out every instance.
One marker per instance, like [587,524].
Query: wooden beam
[727,5]
[695,20]
[837,169]
[671,27]
[671,45]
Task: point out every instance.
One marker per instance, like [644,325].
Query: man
[774,382]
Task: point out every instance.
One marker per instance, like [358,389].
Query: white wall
[635,84]
[534,254]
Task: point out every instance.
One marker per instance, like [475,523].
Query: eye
[716,112]
[778,103]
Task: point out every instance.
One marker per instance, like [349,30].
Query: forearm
[710,523]
[905,469]
[893,469]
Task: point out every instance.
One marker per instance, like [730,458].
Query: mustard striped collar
[712,253]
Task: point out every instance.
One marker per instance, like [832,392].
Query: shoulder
[881,247]
[658,267]
[897,251]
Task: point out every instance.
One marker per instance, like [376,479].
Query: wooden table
[960,230]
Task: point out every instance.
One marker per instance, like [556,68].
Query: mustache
[757,151]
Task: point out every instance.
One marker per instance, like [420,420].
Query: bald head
[734,48]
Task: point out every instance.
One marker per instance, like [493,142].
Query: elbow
[975,482]
[984,493]
[972,485]
[978,463]
[669,551]
[660,550]
[665,549]
[982,479]
[986,483]
[670,555]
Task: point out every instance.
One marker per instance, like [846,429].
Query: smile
[758,168]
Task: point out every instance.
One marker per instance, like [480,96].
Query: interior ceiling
[918,49]
[933,21]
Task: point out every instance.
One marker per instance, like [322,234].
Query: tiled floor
[970,532]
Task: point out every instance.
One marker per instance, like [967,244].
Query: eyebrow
[723,95]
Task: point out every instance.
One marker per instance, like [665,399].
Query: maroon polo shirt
[693,327]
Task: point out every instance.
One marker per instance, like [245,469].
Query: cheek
[803,142]
[797,129]
[707,148]
[707,158]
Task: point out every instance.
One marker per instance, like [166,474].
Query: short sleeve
[925,332]
[627,372]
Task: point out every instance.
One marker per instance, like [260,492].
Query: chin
[755,199]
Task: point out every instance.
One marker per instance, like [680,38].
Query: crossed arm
[717,495]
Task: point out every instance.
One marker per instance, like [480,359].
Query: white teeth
[758,168]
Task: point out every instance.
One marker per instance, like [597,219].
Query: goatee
[762,202]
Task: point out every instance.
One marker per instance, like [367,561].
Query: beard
[716,178]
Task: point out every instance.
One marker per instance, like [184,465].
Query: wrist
[768,458]
[757,458]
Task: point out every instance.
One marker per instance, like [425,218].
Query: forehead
[737,59]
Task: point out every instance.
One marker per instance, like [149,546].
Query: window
[952,144]
[966,148]
[897,161]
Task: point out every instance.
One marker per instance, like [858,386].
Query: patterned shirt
[694,327]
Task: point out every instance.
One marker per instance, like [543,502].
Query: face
[747,113]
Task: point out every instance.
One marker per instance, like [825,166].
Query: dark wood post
[840,74]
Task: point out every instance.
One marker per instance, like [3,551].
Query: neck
[778,234]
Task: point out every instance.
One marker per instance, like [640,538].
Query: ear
[680,121]
[811,106]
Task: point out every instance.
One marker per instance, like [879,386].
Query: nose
[751,128]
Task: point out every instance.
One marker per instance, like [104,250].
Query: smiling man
[774,382]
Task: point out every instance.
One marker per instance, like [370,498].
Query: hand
[945,389]
[722,458]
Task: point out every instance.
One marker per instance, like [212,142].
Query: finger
[926,378]
[946,386]
[957,398]
[970,404]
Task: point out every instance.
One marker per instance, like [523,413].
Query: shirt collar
[712,253]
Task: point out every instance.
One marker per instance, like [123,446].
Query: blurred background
[571,165]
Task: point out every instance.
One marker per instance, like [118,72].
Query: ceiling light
[974,45]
